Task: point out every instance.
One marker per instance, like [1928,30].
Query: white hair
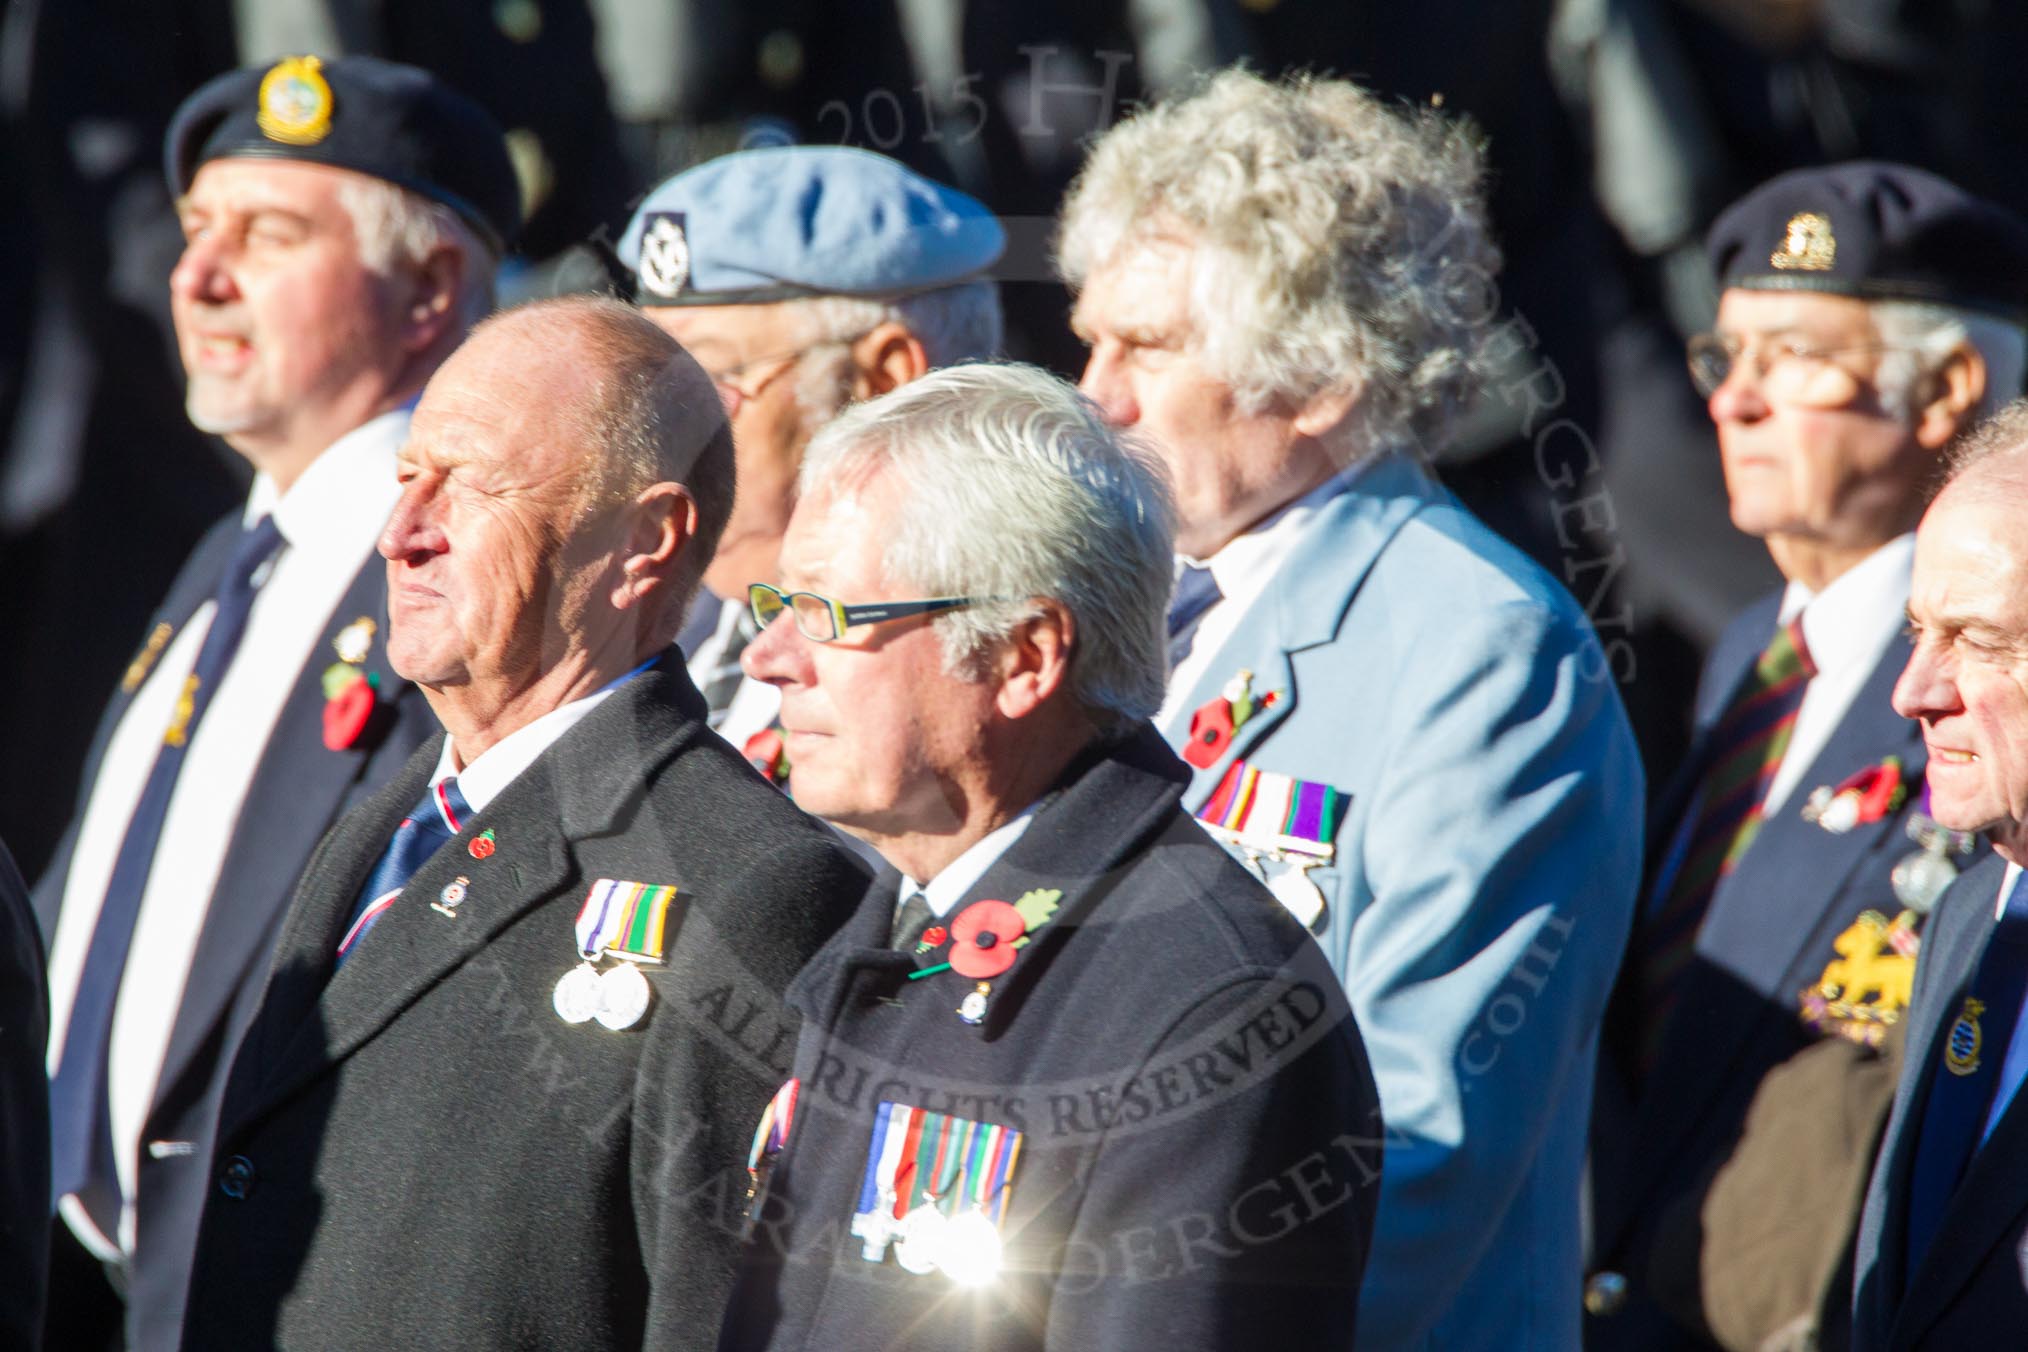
[953,324]
[1015,489]
[395,226]
[1923,337]
[1337,238]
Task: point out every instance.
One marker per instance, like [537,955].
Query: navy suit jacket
[1971,1288]
[298,790]
[1766,936]
[1195,1172]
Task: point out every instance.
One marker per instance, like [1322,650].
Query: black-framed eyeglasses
[820,619]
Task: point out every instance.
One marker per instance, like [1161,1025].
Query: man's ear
[1323,412]
[1035,664]
[885,359]
[432,302]
[661,523]
[1950,393]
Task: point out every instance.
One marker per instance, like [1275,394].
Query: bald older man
[527,1000]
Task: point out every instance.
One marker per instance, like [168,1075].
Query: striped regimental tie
[440,815]
[1745,751]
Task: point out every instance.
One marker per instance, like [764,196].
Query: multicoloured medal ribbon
[1274,813]
[622,920]
[939,1185]
[776,1121]
[1277,819]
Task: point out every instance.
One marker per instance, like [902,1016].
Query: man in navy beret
[343,222]
[803,278]
[1870,313]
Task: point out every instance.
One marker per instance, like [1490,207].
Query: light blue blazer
[1481,890]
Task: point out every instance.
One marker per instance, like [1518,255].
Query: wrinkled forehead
[1144,286]
[1971,554]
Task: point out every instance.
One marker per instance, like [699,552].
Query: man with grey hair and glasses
[1870,312]
[1069,1078]
[803,278]
[342,222]
[1407,729]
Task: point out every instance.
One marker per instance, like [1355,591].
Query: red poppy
[765,752]
[347,713]
[1210,733]
[982,939]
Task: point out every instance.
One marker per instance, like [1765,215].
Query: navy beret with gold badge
[1876,231]
[375,117]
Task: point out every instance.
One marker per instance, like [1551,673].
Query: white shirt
[755,705]
[329,521]
[501,763]
[959,876]
[1242,569]
[1847,627]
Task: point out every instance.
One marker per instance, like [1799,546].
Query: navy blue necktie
[1196,592]
[1960,1098]
[81,1154]
[440,815]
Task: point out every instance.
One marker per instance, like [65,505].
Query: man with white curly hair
[1399,722]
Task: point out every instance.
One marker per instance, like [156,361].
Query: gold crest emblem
[1961,1051]
[1807,245]
[295,102]
[355,640]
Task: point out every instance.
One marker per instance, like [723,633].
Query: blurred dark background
[1617,130]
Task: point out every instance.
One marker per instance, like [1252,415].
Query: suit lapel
[578,787]
[1305,604]
[295,795]
[192,588]
[1766,944]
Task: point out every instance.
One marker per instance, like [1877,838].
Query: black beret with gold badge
[1876,231]
[375,117]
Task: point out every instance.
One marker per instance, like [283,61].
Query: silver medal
[623,997]
[1293,889]
[1922,877]
[921,1244]
[577,994]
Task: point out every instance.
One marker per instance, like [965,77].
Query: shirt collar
[960,875]
[1851,620]
[352,483]
[501,763]
[1247,561]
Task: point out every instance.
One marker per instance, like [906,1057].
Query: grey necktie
[910,921]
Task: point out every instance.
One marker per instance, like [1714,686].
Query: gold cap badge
[295,102]
[1807,245]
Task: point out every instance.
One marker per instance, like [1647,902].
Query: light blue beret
[792,221]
